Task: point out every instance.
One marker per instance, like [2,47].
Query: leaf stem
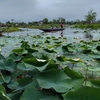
[2,77]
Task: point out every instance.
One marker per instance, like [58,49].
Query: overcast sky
[36,10]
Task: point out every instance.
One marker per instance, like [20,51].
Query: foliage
[87,26]
[84,93]
[91,16]
[11,29]
[61,20]
[49,68]
[45,21]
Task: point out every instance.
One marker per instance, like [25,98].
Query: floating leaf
[5,76]
[77,79]
[2,88]
[20,51]
[32,92]
[3,96]
[14,57]
[15,96]
[95,82]
[23,83]
[55,79]
[98,47]
[84,93]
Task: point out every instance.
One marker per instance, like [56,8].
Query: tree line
[89,18]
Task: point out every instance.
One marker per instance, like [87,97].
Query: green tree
[91,16]
[8,23]
[54,21]
[61,20]
[45,20]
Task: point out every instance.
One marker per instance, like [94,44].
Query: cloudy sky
[35,10]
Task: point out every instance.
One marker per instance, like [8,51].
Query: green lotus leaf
[71,73]
[49,50]
[30,50]
[25,67]
[38,94]
[25,44]
[47,41]
[49,55]
[95,82]
[61,58]
[28,56]
[95,56]
[51,98]
[2,88]
[85,57]
[94,69]
[65,49]
[94,66]
[35,61]
[8,65]
[12,84]
[69,48]
[23,83]
[41,56]
[74,60]
[72,49]
[98,47]
[77,79]
[84,93]
[55,79]
[87,51]
[20,51]
[81,65]
[58,42]
[5,77]
[3,96]
[14,57]
[51,65]
[15,96]
[2,58]
[35,45]
[32,63]
[58,49]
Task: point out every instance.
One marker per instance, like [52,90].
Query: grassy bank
[44,26]
[11,29]
[87,26]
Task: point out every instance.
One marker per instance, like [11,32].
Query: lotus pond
[44,66]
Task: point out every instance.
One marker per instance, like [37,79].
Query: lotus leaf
[38,94]
[3,96]
[23,83]
[84,93]
[32,63]
[20,51]
[55,79]
[95,82]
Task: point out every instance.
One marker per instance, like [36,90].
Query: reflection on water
[61,33]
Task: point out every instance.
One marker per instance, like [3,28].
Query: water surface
[70,33]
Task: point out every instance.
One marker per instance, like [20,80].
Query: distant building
[39,23]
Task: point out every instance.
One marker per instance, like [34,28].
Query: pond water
[70,33]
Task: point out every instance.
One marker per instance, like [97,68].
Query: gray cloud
[32,10]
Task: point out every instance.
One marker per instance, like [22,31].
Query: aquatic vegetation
[87,26]
[11,29]
[49,68]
